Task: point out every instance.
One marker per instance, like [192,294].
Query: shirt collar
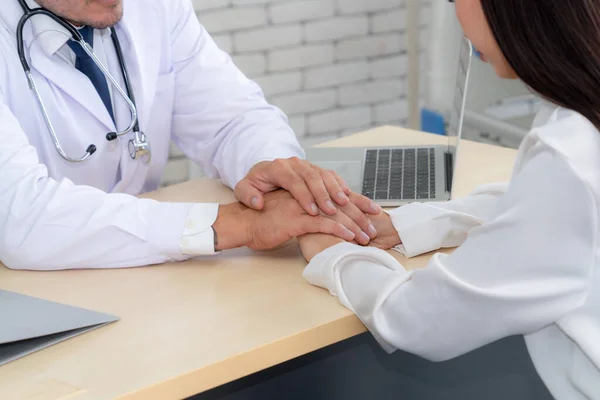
[50,35]
[546,114]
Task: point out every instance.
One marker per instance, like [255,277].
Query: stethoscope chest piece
[139,147]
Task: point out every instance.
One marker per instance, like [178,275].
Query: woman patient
[526,258]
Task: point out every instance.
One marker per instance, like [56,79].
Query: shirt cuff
[419,227]
[198,236]
[369,281]
[324,269]
[319,270]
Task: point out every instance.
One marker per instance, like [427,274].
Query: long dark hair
[554,48]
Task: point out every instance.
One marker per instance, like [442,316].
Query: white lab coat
[57,215]
[526,264]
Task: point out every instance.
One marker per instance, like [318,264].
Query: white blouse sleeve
[424,227]
[516,273]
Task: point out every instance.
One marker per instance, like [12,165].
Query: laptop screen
[455,124]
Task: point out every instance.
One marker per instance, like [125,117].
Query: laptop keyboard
[397,174]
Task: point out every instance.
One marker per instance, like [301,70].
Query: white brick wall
[388,67]
[202,5]
[388,21]
[283,82]
[253,64]
[341,119]
[230,19]
[302,10]
[333,66]
[306,102]
[224,41]
[336,28]
[365,6]
[300,57]
[271,37]
[370,46]
[391,111]
[371,92]
[298,124]
[336,74]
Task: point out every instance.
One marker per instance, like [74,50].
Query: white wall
[333,66]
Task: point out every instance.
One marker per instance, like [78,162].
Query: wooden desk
[192,326]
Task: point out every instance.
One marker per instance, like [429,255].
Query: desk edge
[255,360]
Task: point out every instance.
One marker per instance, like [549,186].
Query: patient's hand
[387,236]
[313,244]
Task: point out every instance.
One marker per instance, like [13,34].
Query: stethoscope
[138,146]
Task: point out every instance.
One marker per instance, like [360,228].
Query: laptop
[393,176]
[29,324]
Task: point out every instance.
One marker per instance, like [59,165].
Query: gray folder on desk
[29,324]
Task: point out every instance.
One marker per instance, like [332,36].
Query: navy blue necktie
[87,66]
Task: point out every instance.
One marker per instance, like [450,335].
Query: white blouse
[525,264]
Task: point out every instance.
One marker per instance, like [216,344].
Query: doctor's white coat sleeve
[521,270]
[221,119]
[47,224]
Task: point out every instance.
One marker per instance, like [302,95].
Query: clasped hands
[291,198]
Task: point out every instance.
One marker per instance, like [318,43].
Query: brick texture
[300,57]
[306,102]
[303,10]
[336,74]
[370,46]
[371,92]
[287,82]
[340,119]
[336,28]
[272,37]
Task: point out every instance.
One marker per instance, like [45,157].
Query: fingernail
[342,196]
[254,202]
[375,207]
[364,237]
[372,231]
[330,205]
[349,234]
[314,209]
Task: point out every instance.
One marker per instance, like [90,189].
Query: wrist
[394,240]
[392,237]
[387,236]
[231,227]
[313,244]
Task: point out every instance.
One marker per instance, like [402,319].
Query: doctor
[527,259]
[77,143]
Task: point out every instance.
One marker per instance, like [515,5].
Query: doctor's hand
[316,189]
[280,220]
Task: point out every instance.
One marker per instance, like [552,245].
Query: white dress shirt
[525,264]
[60,215]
